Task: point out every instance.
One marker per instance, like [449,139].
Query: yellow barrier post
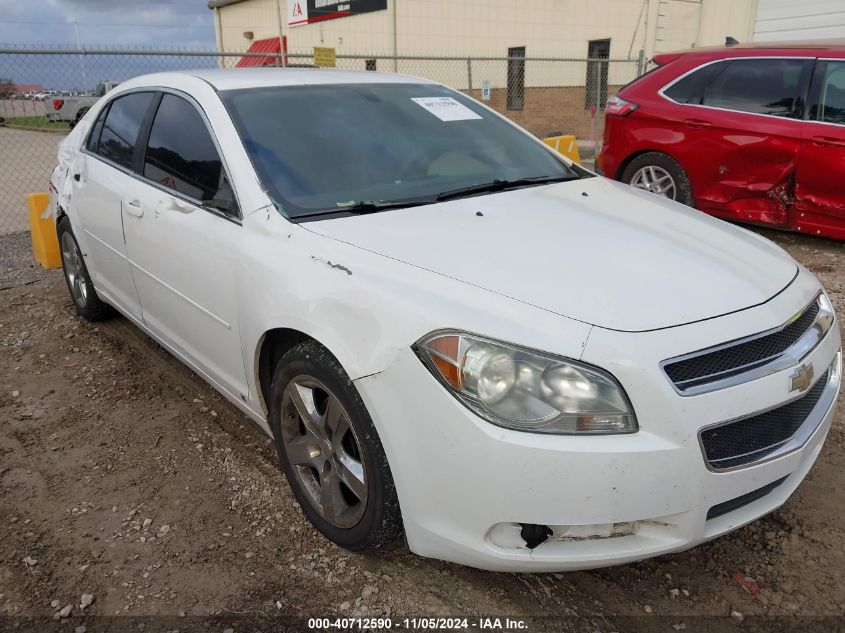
[566,145]
[45,243]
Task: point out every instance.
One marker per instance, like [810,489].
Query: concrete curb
[34,129]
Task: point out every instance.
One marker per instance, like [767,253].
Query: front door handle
[696,123]
[828,141]
[175,204]
[133,207]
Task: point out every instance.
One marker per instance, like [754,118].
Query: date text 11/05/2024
[484,624]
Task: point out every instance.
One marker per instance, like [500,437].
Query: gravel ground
[132,488]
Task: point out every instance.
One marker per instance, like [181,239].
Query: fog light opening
[596,531]
[534,534]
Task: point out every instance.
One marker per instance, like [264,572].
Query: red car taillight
[58,103]
[617,106]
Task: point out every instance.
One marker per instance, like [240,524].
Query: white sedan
[445,326]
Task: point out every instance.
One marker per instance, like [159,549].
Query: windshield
[327,148]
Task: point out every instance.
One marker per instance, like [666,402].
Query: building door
[516,78]
[790,21]
[596,93]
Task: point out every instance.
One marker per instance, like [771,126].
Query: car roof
[238,78]
[834,46]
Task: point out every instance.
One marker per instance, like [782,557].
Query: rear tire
[78,281]
[330,451]
[660,174]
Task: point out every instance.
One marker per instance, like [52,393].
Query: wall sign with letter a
[301,12]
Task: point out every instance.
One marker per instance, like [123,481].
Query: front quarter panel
[366,308]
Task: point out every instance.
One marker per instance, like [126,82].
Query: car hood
[593,250]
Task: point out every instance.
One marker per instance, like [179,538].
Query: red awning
[269,46]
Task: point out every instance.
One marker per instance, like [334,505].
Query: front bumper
[465,484]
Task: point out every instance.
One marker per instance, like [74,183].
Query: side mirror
[222,204]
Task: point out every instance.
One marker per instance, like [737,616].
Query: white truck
[71,109]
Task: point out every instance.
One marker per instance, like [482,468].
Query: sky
[126,24]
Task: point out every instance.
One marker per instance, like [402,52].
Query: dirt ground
[124,476]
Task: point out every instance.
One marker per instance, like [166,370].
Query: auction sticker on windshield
[446,108]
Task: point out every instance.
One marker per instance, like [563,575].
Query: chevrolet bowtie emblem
[801,378]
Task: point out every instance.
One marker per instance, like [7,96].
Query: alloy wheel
[655,179]
[72,259]
[324,451]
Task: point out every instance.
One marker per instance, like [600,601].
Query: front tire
[79,283]
[660,174]
[330,451]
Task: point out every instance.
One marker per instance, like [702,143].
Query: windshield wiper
[363,207]
[373,206]
[501,184]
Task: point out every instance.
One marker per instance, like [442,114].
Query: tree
[7,88]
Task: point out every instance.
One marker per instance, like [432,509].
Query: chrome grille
[753,356]
[751,439]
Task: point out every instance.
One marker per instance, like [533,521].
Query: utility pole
[637,26]
[395,38]
[81,56]
[281,35]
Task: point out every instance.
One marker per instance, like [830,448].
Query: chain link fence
[42,92]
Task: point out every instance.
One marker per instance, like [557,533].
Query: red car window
[759,86]
[832,98]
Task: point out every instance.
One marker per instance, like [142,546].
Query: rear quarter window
[689,88]
[94,136]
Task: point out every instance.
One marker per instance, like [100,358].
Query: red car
[751,133]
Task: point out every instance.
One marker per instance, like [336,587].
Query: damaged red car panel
[750,133]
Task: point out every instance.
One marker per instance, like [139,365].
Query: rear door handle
[696,123]
[133,208]
[828,141]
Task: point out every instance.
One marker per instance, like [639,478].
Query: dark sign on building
[302,12]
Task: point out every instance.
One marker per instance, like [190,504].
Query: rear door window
[180,153]
[758,86]
[121,127]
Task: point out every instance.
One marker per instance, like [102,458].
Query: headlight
[524,389]
[826,307]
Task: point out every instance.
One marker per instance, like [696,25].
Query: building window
[370,64]
[596,92]
[516,78]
